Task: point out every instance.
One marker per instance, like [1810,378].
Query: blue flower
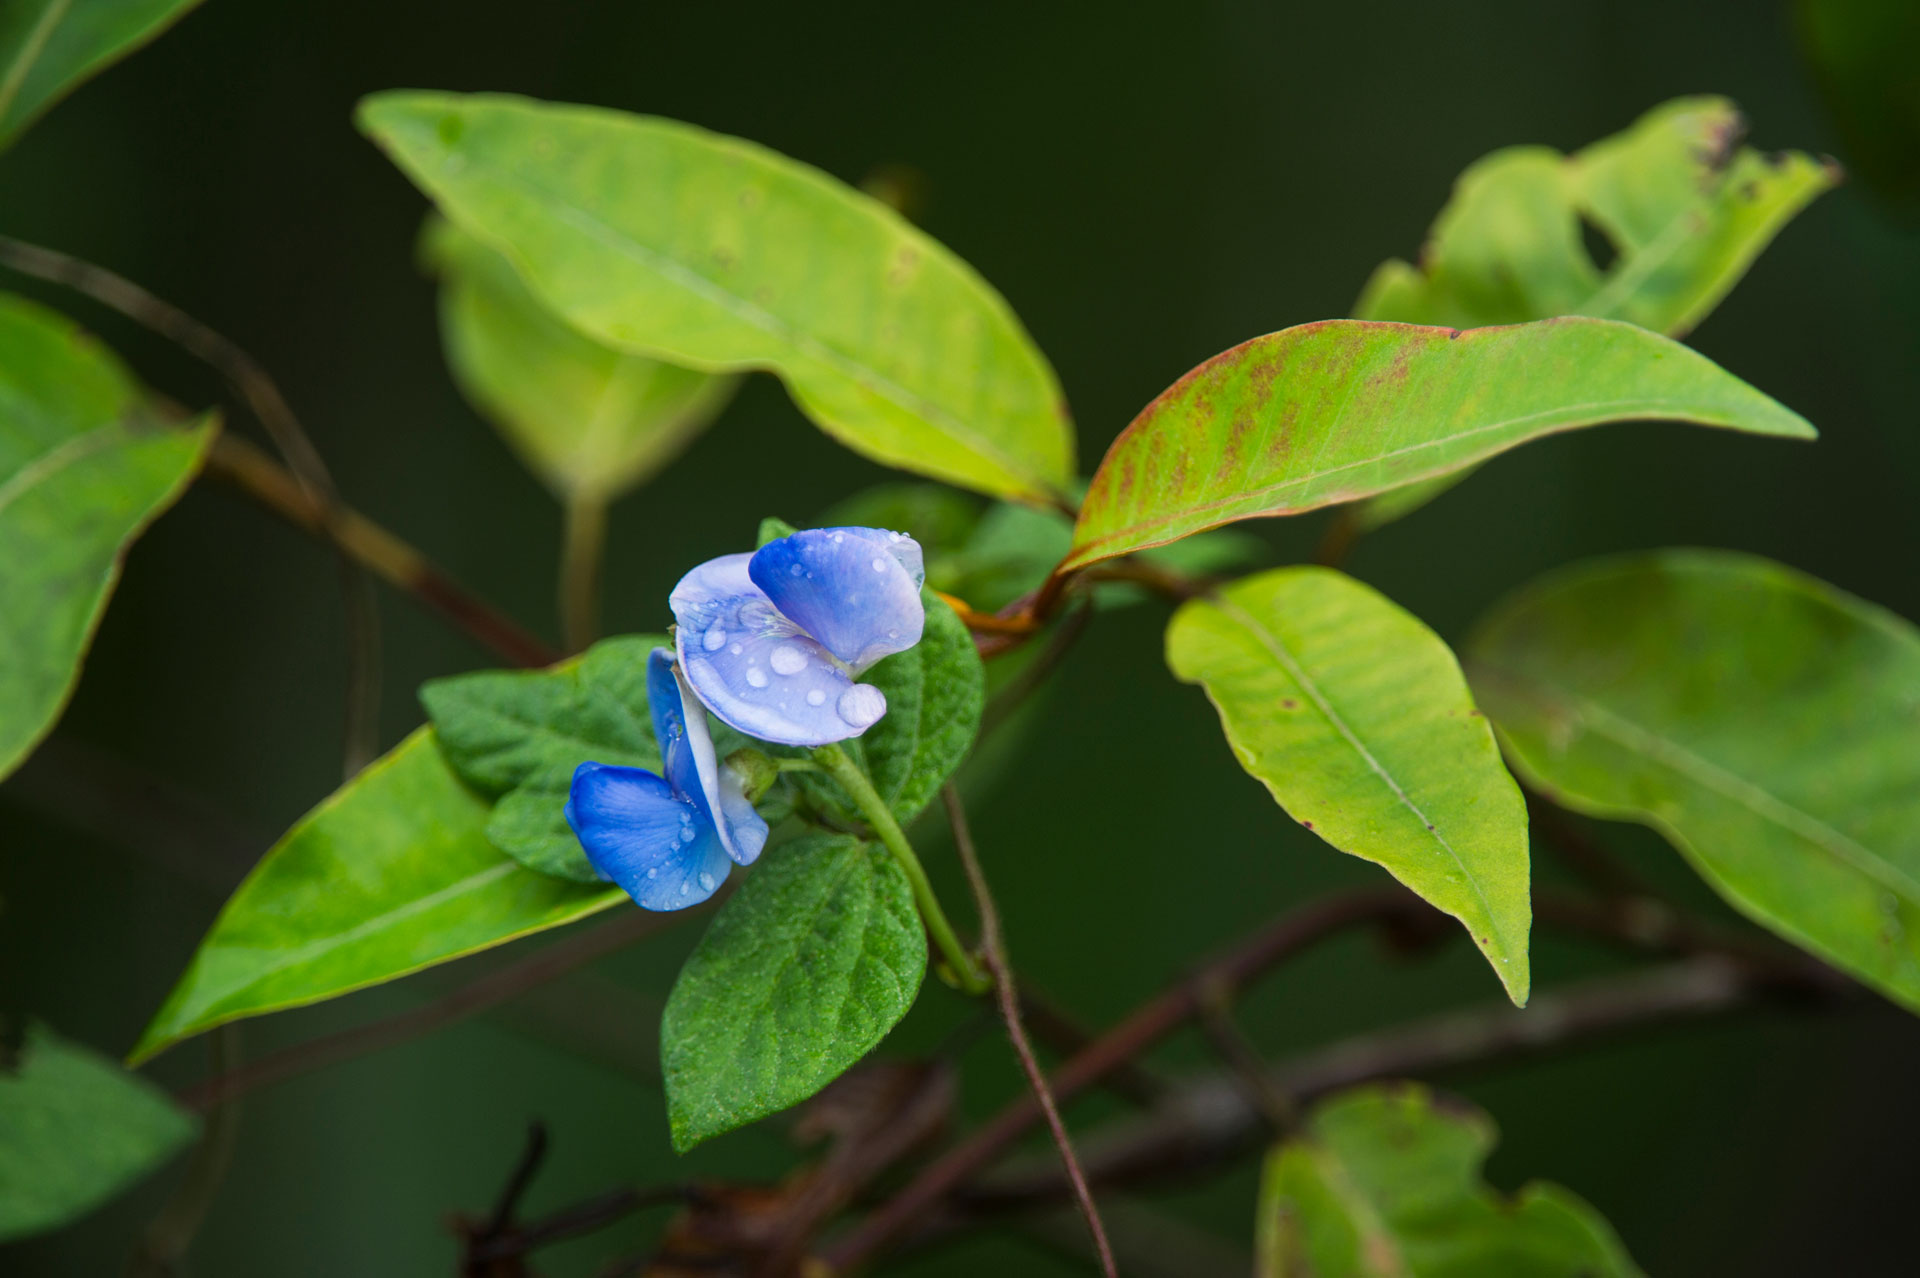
[773,641]
[668,841]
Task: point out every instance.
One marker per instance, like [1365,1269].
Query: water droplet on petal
[756,676]
[816,698]
[714,638]
[879,565]
[795,571]
[654,873]
[862,705]
[838,538]
[893,634]
[735,649]
[686,888]
[706,881]
[787,660]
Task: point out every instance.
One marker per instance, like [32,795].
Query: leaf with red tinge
[1342,409]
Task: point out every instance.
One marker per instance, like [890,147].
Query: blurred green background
[1148,184]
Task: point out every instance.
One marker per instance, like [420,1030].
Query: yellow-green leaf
[1357,719]
[49,46]
[664,239]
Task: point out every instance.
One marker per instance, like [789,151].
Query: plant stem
[580,555]
[171,1233]
[836,764]
[993,947]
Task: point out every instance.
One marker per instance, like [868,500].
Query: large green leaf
[76,1129]
[590,420]
[1342,409]
[802,972]
[518,735]
[47,47]
[85,465]
[1685,208]
[1764,722]
[1384,1182]
[1356,717]
[391,874]
[935,692]
[664,239]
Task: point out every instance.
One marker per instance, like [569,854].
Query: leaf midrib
[50,463]
[30,51]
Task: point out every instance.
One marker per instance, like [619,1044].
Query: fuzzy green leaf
[85,466]
[391,874]
[1357,719]
[663,239]
[1384,1182]
[75,1129]
[47,47]
[1342,409]
[804,970]
[1766,723]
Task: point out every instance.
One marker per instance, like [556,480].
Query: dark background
[1147,184]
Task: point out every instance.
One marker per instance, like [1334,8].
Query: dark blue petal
[639,834]
[756,670]
[856,590]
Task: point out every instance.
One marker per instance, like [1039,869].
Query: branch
[1147,1025]
[476,996]
[1028,681]
[375,549]
[994,952]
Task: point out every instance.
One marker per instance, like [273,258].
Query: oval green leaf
[804,970]
[1766,723]
[1357,719]
[1385,1182]
[75,1130]
[664,239]
[391,874]
[589,420]
[47,47]
[1342,409]
[85,466]
[1685,208]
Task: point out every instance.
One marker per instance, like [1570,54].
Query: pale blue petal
[771,682]
[856,590]
[693,770]
[643,837]
[742,830]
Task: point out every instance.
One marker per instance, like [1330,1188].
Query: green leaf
[934,515]
[75,1130]
[1343,409]
[1766,723]
[391,874]
[664,239]
[772,529]
[590,420]
[47,47]
[85,466]
[1384,1182]
[802,972]
[1357,719]
[518,735]
[935,692]
[1685,209]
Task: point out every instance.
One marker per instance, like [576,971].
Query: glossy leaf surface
[1766,723]
[1357,719]
[75,1129]
[1684,207]
[85,465]
[391,874]
[518,735]
[664,239]
[804,970]
[1384,1182]
[589,420]
[1343,409]
[49,46]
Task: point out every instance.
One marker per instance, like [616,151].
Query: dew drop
[706,881]
[736,649]
[756,676]
[787,660]
[654,873]
[879,565]
[714,638]
[795,571]
[838,538]
[816,698]
[861,705]
[893,634]
[686,888]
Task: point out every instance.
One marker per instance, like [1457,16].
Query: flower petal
[778,685]
[645,838]
[692,768]
[856,590]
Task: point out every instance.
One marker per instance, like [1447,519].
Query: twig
[581,1218]
[257,389]
[1147,1025]
[994,952]
[1028,681]
[1239,1055]
[582,546]
[171,1233]
[1131,1081]
[1600,869]
[532,1154]
[374,548]
[494,988]
[1336,542]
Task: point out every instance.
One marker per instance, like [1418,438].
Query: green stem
[586,536]
[836,764]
